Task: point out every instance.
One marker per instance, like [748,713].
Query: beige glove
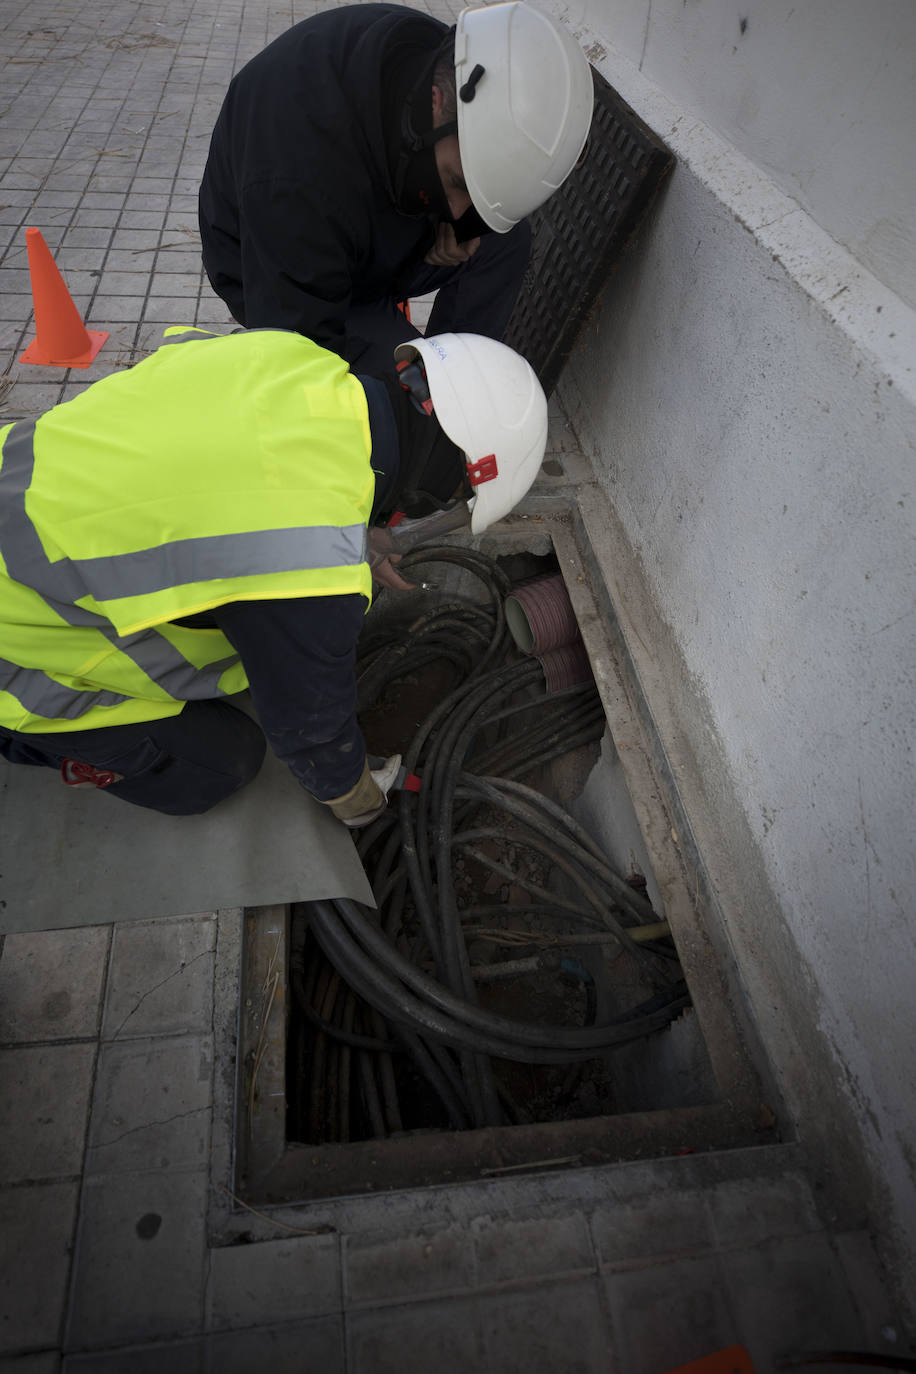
[368,796]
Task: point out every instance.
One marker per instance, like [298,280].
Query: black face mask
[417,186]
[470,226]
[431,466]
[419,189]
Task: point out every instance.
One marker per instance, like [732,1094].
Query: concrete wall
[747,398]
[820,95]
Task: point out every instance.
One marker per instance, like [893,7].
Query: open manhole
[533,990]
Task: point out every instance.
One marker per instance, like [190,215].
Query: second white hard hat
[525,100]
[490,403]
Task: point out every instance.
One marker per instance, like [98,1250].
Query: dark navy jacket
[298,215]
[300,654]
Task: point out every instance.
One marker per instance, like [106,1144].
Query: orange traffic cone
[62,338]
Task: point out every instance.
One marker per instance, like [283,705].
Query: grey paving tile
[33,1277]
[46,1089]
[89,217]
[52,223]
[151,1107]
[161,977]
[142,219]
[139,240]
[507,1250]
[55,198]
[171,309]
[175,283]
[72,259]
[157,165]
[416,1338]
[213,311]
[307,1346]
[124,260]
[671,1222]
[132,283]
[182,220]
[157,186]
[111,201]
[381,1269]
[146,202]
[13,215]
[15,280]
[42,143]
[51,983]
[665,1315]
[745,1211]
[274,1281]
[560,1329]
[33,398]
[87,238]
[110,310]
[182,1357]
[139,1260]
[109,183]
[790,1295]
[179,259]
[66,181]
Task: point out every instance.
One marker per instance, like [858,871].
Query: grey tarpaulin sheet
[72,856]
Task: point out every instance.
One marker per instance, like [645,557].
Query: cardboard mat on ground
[74,857]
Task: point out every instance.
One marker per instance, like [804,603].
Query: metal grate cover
[581,231]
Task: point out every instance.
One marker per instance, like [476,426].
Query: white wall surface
[821,94]
[746,393]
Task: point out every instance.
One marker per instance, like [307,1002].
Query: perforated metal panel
[581,231]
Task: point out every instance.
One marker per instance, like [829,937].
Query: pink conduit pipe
[540,616]
[542,622]
[565,666]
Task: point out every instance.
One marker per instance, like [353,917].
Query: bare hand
[382,559]
[447,251]
[386,575]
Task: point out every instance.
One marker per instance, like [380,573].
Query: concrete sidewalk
[114,1038]
[115,1169]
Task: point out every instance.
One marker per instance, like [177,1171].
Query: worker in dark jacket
[198,525]
[365,156]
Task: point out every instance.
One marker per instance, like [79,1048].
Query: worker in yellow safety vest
[212,519]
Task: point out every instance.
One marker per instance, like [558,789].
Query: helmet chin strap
[416,176]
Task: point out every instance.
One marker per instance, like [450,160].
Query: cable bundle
[399,978]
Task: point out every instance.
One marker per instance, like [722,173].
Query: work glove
[368,797]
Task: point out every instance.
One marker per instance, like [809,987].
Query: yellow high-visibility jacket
[231,468]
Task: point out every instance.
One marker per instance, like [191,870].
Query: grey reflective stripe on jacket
[59,585]
[64,581]
[40,695]
[207,559]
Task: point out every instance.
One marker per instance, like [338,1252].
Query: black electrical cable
[397,1003]
[374,949]
[496,725]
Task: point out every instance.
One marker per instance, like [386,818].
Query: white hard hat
[491,405]
[525,100]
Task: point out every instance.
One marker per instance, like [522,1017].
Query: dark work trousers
[181,765]
[475,298]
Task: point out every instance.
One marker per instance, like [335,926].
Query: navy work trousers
[181,765]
